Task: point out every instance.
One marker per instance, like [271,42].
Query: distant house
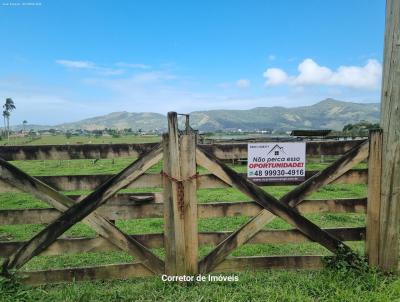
[264,131]
[310,133]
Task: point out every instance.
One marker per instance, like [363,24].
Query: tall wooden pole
[374,197]
[390,123]
[180,203]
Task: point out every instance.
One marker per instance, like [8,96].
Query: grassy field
[62,139]
[324,285]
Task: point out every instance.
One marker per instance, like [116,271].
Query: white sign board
[276,162]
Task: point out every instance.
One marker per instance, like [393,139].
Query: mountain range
[327,114]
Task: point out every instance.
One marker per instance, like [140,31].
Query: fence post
[374,197]
[180,202]
[390,124]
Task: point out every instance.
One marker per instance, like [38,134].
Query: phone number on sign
[278,172]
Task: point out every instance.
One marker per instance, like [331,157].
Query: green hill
[327,114]
[120,120]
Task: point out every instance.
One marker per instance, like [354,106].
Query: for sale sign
[271,162]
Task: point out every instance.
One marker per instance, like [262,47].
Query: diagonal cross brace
[74,212]
[351,158]
[293,198]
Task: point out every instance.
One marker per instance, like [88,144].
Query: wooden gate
[180,203]
[179,178]
[84,209]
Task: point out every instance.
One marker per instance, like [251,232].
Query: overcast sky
[66,60]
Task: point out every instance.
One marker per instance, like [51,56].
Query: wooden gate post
[390,124]
[374,197]
[180,202]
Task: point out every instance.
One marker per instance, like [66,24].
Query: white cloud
[76,64]
[310,73]
[101,70]
[275,76]
[243,83]
[368,76]
[109,71]
[271,57]
[133,65]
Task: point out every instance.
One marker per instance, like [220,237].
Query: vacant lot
[324,285]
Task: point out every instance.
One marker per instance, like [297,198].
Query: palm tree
[8,106]
[6,116]
[24,125]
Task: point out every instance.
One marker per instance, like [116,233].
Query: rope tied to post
[180,189]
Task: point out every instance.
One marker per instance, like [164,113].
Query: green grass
[324,285]
[76,167]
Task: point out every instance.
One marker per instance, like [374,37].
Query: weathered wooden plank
[154,180]
[239,151]
[89,182]
[284,236]
[352,176]
[135,270]
[390,124]
[79,211]
[258,263]
[128,198]
[256,223]
[374,197]
[91,273]
[125,210]
[113,212]
[28,216]
[174,225]
[231,209]
[98,244]
[94,151]
[89,151]
[188,171]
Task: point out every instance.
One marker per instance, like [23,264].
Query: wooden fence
[177,205]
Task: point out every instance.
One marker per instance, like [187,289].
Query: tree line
[359,129]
